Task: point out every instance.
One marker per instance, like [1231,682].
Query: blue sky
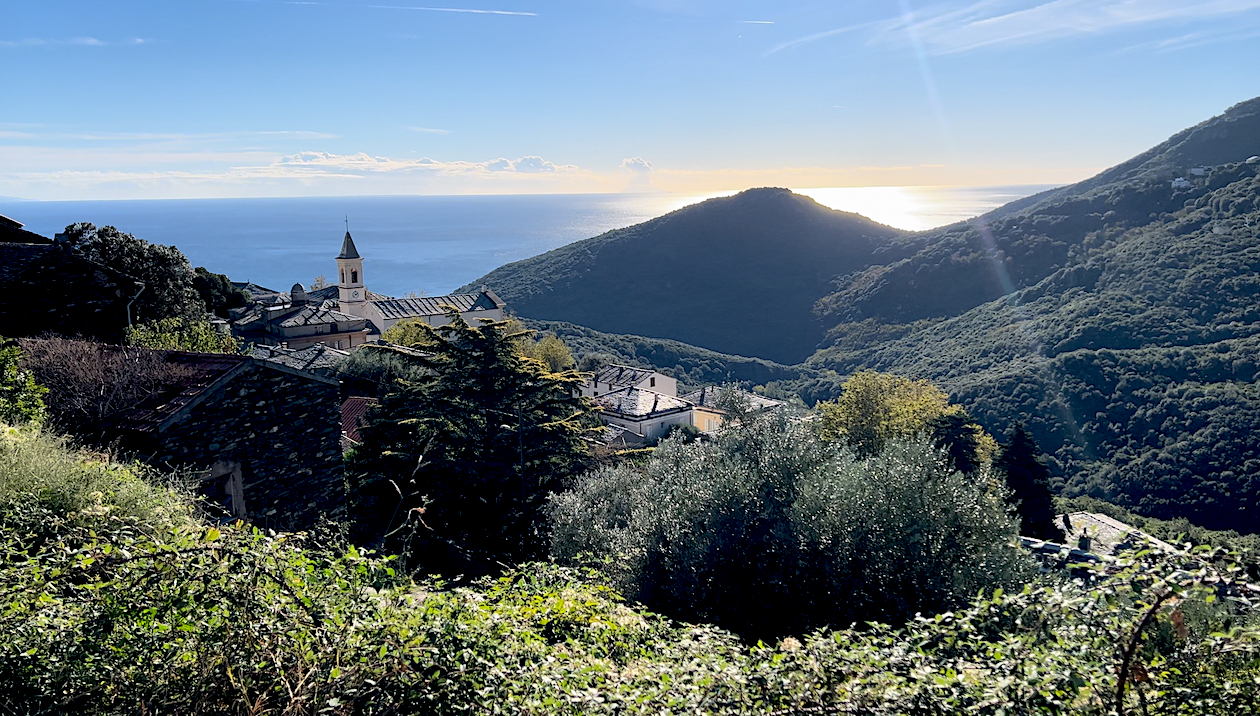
[207,98]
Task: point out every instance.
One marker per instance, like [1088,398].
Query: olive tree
[769,530]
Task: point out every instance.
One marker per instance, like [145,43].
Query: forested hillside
[1135,364]
[735,275]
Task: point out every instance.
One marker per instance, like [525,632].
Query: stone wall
[64,294]
[283,429]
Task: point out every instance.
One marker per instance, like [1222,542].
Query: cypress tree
[1028,479]
[475,447]
[958,434]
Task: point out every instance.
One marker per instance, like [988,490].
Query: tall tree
[958,434]
[476,447]
[1023,464]
[876,407]
[168,278]
[217,292]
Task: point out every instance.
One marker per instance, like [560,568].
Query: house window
[653,384]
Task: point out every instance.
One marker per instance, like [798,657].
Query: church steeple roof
[348,251]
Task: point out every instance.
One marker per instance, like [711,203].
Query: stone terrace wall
[283,429]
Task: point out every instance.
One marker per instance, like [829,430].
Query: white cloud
[989,23]
[639,165]
[429,130]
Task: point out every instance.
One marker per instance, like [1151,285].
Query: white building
[385,312]
[651,414]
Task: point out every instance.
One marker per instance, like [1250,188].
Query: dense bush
[770,531]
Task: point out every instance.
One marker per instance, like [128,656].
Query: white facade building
[385,312]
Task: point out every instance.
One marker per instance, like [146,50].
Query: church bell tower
[351,293]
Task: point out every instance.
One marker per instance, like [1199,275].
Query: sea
[432,245]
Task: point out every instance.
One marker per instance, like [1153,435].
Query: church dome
[297,294]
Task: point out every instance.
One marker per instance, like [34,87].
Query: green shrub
[21,398]
[40,471]
[770,531]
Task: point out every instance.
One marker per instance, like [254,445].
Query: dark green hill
[1136,363]
[737,275]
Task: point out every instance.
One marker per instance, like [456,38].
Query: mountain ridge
[686,275]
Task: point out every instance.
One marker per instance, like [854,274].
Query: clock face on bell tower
[355,294]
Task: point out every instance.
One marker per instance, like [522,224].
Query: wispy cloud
[167,136]
[1194,39]
[79,41]
[817,36]
[991,23]
[457,9]
[757,22]
[319,162]
[428,130]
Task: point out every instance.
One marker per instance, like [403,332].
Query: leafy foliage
[874,408]
[21,398]
[110,610]
[769,531]
[168,277]
[217,292]
[689,364]
[182,334]
[1134,365]
[475,446]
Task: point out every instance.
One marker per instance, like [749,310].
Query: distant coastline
[437,243]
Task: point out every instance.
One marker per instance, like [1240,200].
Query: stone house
[616,377]
[650,415]
[264,437]
[300,322]
[46,287]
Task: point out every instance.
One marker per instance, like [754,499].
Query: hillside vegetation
[735,275]
[1135,364]
[116,599]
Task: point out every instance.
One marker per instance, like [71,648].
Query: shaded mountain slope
[957,267]
[1136,364]
[737,274]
